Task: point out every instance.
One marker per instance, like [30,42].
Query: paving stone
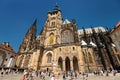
[90,77]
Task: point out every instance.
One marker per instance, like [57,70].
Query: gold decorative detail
[51,39]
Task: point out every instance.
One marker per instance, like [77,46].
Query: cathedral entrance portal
[75,64]
[67,64]
[60,63]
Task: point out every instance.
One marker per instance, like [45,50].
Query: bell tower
[52,27]
[54,18]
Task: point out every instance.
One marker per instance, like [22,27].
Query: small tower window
[53,24]
[60,49]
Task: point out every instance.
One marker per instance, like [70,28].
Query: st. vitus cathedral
[61,46]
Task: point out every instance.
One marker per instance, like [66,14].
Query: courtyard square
[19,76]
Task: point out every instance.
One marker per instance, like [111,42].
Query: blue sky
[16,16]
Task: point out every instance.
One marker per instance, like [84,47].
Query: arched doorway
[60,63]
[67,64]
[75,64]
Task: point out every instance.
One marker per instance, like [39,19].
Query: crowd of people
[31,74]
[105,73]
[69,75]
[8,71]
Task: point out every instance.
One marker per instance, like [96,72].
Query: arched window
[73,48]
[11,56]
[49,58]
[51,39]
[53,24]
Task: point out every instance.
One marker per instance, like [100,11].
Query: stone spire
[55,10]
[85,38]
[29,39]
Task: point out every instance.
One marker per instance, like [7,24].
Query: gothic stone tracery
[61,46]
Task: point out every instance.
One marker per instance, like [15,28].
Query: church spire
[29,39]
[33,27]
[35,22]
[56,8]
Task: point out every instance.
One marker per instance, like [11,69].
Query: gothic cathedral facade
[60,46]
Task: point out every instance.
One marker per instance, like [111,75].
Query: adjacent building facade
[61,46]
[115,36]
[7,56]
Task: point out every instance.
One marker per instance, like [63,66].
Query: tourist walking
[64,76]
[2,73]
[25,74]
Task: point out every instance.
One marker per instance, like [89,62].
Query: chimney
[6,44]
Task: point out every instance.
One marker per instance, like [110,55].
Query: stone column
[81,63]
[117,59]
[23,61]
[71,65]
[64,65]
[35,63]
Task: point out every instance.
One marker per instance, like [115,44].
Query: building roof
[5,46]
[83,43]
[93,44]
[115,28]
[66,21]
[55,10]
[118,24]
[89,30]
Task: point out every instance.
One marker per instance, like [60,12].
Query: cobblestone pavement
[90,77]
